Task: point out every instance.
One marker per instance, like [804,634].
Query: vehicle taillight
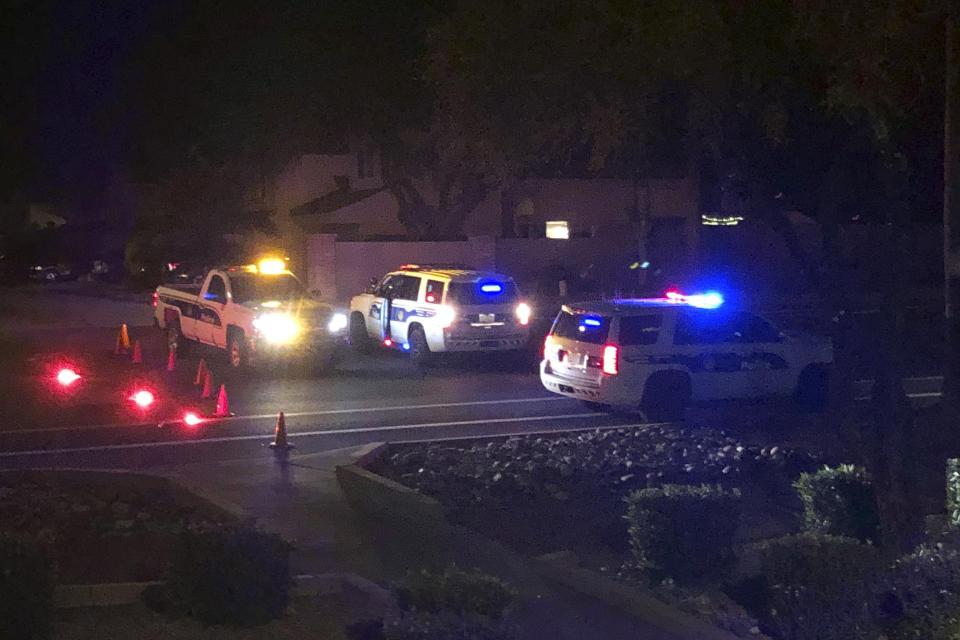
[156,298]
[610,359]
[547,345]
[523,314]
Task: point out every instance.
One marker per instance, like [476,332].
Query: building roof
[332,201]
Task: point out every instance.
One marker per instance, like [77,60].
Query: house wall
[341,270]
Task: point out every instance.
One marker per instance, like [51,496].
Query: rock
[120,508]
[79,507]
[123,524]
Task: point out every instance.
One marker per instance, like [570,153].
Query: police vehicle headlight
[277,327]
[338,322]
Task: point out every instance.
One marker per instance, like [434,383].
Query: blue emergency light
[591,322]
[492,287]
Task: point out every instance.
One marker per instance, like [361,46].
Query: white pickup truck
[253,313]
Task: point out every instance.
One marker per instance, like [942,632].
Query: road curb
[381,498]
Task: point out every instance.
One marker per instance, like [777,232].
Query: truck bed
[192,290]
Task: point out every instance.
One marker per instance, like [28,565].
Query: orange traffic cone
[172,360]
[223,406]
[137,353]
[207,391]
[123,341]
[201,373]
[280,437]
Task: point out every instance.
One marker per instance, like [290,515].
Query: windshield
[265,287]
[476,293]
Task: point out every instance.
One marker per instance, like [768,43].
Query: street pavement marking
[300,414]
[930,394]
[297,434]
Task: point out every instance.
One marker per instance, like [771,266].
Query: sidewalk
[302,501]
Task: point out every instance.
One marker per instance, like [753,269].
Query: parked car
[51,272]
[429,309]
[662,354]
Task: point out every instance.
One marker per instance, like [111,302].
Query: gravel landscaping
[544,494]
[100,527]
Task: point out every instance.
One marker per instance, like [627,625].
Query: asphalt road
[367,398]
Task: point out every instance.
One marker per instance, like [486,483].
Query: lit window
[558,230]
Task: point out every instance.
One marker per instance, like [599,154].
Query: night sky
[73,96]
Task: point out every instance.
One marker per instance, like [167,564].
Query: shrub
[811,586]
[953,491]
[457,591]
[26,589]
[682,531]
[921,592]
[232,575]
[443,626]
[839,501]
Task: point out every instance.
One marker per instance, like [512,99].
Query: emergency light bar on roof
[436,266]
[708,300]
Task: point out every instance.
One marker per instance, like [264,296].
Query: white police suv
[427,309]
[661,354]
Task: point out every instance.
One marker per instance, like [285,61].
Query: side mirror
[372,287]
[315,293]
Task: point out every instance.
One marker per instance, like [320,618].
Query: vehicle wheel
[666,396]
[419,349]
[813,389]
[175,340]
[358,334]
[236,350]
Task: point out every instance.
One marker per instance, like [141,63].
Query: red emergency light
[67,376]
[143,398]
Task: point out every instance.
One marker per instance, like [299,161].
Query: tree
[801,103]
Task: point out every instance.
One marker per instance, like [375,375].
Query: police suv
[661,354]
[427,309]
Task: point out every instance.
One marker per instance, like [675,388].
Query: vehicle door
[765,358]
[374,313]
[210,325]
[405,289]
[707,344]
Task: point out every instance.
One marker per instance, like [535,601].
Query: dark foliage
[839,501]
[233,575]
[26,589]
[811,586]
[919,596]
[683,532]
[443,626]
[457,591]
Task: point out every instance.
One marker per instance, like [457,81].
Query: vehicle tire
[175,340]
[666,396]
[237,355]
[813,389]
[419,349]
[358,334]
